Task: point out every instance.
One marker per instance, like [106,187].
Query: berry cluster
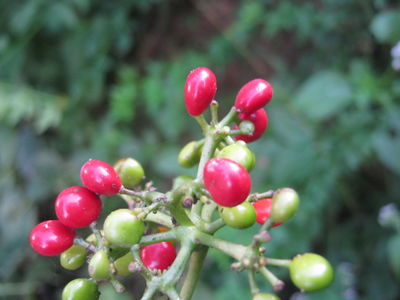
[159,234]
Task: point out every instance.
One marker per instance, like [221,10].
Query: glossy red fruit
[263,210]
[77,207]
[253,95]
[100,178]
[51,238]
[260,121]
[200,89]
[158,256]
[227,181]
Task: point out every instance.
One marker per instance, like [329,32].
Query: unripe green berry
[73,258]
[190,154]
[122,228]
[130,171]
[122,264]
[239,153]
[81,289]
[265,296]
[99,266]
[240,216]
[310,272]
[246,127]
[284,205]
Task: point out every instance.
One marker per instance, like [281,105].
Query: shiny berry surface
[260,120]
[240,153]
[228,182]
[77,207]
[310,272]
[51,238]
[253,95]
[100,178]
[263,210]
[241,216]
[200,89]
[158,256]
[81,289]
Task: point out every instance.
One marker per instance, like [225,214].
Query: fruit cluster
[160,235]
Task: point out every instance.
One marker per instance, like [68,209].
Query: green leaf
[323,95]
[386,26]
[393,252]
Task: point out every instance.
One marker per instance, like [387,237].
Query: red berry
[260,121]
[51,238]
[263,210]
[100,178]
[200,89]
[77,207]
[227,181]
[253,95]
[158,256]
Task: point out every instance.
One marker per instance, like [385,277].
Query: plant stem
[228,118]
[173,274]
[214,226]
[275,282]
[252,282]
[83,243]
[208,210]
[202,122]
[160,218]
[234,250]
[214,111]
[193,274]
[278,262]
[256,196]
[157,237]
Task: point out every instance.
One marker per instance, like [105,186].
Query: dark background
[84,79]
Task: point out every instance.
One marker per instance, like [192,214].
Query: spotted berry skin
[100,178]
[51,238]
[200,89]
[253,95]
[228,182]
[77,207]
[259,119]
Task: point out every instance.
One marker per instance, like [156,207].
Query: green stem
[208,210]
[257,196]
[172,294]
[278,262]
[228,118]
[160,218]
[97,234]
[214,111]
[83,243]
[178,266]
[208,150]
[149,292]
[117,285]
[214,226]
[202,122]
[234,250]
[275,282]
[229,140]
[193,273]
[157,237]
[135,253]
[252,282]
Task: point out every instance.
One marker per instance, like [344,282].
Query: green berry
[310,272]
[265,296]
[73,258]
[240,216]
[99,266]
[284,205]
[130,171]
[122,264]
[190,154]
[239,153]
[81,289]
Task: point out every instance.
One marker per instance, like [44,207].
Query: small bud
[246,127]
[187,202]
[278,286]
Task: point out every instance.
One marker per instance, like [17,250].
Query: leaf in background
[123,95]
[393,252]
[386,26]
[323,95]
[388,149]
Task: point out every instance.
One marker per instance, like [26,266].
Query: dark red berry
[253,95]
[200,89]
[227,181]
[260,121]
[100,178]
[158,256]
[51,238]
[77,207]
[263,210]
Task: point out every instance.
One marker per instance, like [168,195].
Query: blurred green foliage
[104,79]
